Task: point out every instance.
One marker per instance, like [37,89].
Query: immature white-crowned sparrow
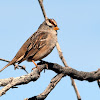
[39,45]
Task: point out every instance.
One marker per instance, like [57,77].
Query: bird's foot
[37,68]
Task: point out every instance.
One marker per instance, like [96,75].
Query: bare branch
[33,76]
[66,65]
[50,87]
[63,71]
[4,60]
[42,8]
[61,55]
[15,65]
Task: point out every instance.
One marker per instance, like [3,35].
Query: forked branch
[66,65]
[61,71]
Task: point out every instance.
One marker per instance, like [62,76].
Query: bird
[38,45]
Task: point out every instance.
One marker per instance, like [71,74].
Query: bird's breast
[47,49]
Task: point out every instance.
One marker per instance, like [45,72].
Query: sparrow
[38,45]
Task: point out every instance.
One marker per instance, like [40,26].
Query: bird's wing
[29,48]
[32,46]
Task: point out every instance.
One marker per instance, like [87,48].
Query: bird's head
[49,24]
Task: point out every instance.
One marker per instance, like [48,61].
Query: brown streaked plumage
[39,45]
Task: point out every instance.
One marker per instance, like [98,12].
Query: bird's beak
[56,28]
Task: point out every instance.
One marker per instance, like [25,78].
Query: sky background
[79,38]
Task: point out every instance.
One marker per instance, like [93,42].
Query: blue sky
[79,38]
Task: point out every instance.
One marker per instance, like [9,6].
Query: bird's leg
[36,66]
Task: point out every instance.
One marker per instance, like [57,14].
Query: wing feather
[33,45]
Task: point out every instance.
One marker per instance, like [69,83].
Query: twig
[42,8]
[66,65]
[15,65]
[4,60]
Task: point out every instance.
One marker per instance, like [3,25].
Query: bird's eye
[50,26]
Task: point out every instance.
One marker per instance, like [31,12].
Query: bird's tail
[10,63]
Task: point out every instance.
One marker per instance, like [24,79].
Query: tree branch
[34,75]
[66,65]
[42,8]
[16,66]
[50,87]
